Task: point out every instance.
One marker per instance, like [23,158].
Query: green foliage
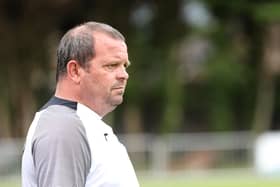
[267,12]
[225,76]
[220,97]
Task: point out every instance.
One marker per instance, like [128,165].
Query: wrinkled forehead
[105,41]
[107,47]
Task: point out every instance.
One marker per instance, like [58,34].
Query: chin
[117,102]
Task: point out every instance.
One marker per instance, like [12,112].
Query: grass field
[212,182]
[227,180]
[212,179]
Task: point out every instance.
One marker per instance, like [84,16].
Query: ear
[74,71]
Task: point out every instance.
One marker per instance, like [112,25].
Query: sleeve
[61,154]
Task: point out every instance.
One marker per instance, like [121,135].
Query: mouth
[119,89]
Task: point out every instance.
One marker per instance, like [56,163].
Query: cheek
[100,83]
[88,83]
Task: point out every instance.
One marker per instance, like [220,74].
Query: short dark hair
[78,44]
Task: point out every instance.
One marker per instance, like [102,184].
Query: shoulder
[58,120]
[59,128]
[60,148]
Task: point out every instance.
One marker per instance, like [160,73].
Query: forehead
[108,49]
[103,42]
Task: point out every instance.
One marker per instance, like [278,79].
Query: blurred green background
[198,66]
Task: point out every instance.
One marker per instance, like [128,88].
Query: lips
[119,90]
[118,87]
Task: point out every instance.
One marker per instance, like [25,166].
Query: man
[68,144]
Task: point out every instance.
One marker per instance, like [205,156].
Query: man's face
[103,82]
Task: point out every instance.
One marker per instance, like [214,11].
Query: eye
[112,66]
[127,64]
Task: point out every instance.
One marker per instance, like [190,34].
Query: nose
[123,74]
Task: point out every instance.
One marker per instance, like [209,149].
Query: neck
[66,91]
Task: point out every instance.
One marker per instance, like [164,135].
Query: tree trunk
[266,88]
[173,111]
